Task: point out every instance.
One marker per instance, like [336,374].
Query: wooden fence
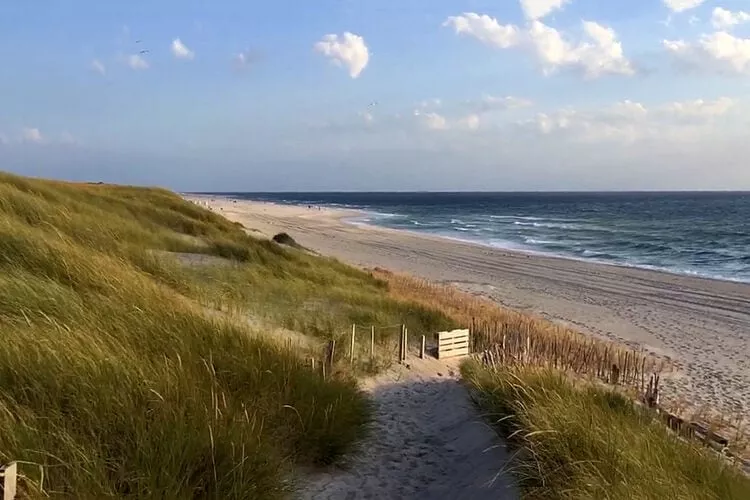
[631,370]
[568,352]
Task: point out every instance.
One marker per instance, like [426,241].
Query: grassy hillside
[580,441]
[121,373]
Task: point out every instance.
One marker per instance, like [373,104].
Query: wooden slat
[453,334]
[449,345]
[453,342]
[450,354]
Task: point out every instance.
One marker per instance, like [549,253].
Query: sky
[378,95]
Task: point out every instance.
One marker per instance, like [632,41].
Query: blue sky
[378,94]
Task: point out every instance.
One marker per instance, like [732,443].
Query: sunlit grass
[581,441]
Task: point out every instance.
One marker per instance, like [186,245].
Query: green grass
[121,377]
[587,442]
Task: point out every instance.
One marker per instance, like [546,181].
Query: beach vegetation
[143,350]
[577,440]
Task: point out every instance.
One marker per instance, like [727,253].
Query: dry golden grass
[520,338]
[509,338]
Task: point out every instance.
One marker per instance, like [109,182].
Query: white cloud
[719,52]
[97,66]
[180,50]
[136,62]
[30,134]
[600,54]
[489,103]
[348,50]
[629,121]
[723,19]
[433,121]
[699,108]
[430,103]
[486,29]
[682,5]
[470,122]
[537,9]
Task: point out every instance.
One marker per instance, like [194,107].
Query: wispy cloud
[98,66]
[180,50]
[682,5]
[137,62]
[246,59]
[31,134]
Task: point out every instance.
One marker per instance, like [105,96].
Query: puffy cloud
[599,54]
[682,5]
[537,9]
[485,29]
[180,50]
[30,134]
[719,52]
[348,50]
[97,66]
[137,63]
[723,19]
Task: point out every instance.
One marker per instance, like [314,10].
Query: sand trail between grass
[428,441]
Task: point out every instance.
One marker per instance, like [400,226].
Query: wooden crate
[452,344]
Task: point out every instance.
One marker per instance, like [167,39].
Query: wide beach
[702,325]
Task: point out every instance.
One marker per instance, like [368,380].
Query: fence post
[406,342]
[329,357]
[10,476]
[351,348]
[402,345]
[421,350]
[372,341]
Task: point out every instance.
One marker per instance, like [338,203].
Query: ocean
[699,234]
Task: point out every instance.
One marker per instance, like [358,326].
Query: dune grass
[584,441]
[121,375]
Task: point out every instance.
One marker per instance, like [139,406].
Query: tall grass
[115,381]
[581,441]
[518,338]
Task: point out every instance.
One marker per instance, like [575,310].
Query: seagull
[138,41]
[146,51]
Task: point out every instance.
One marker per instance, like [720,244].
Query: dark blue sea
[700,234]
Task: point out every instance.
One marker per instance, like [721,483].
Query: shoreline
[701,324]
[538,253]
[350,215]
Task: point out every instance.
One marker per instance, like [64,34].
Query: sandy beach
[702,325]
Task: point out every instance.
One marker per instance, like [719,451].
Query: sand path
[428,441]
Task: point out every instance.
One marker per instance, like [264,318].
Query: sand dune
[702,325]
